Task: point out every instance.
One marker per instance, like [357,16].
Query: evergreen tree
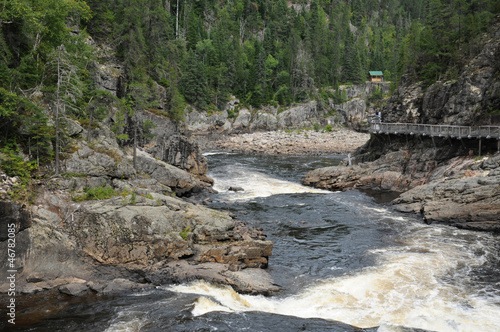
[351,71]
[193,82]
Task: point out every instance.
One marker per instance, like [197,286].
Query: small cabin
[376,76]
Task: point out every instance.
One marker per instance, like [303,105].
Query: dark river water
[346,262]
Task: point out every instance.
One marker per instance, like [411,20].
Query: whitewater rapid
[420,282]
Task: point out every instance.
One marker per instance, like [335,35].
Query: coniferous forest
[263,52]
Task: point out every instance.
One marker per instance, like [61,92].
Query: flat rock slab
[247,281]
[74,289]
[258,281]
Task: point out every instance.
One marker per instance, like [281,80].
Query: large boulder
[299,116]
[182,152]
[201,122]
[181,182]
[242,120]
[263,121]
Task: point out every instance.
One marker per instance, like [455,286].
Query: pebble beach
[305,142]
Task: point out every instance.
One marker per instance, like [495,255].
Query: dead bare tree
[69,88]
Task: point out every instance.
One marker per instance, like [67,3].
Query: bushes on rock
[96,193]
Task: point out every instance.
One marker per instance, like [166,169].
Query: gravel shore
[339,141]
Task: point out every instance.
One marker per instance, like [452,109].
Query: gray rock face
[464,101]
[302,115]
[242,120]
[201,122]
[184,153]
[80,247]
[162,125]
[181,182]
[469,199]
[108,77]
[148,232]
[352,113]
[71,127]
[99,161]
[263,121]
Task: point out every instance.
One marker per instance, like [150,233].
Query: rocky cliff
[472,98]
[446,180]
[133,242]
[352,112]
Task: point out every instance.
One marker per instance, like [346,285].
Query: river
[345,261]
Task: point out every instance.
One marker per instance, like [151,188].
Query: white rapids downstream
[421,281]
[345,262]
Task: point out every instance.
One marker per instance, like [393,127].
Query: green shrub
[14,165]
[184,234]
[329,128]
[96,193]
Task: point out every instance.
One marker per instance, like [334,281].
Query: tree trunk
[90,121]
[177,20]
[135,145]
[58,103]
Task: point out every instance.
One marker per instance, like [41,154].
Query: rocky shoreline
[113,223]
[441,184]
[298,142]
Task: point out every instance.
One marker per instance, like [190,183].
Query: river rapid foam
[425,277]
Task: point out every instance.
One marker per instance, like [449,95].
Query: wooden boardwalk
[457,132]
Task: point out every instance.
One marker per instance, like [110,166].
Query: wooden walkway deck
[457,132]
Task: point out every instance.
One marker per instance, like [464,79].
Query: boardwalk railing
[457,132]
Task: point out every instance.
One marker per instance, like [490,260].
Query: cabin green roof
[376,73]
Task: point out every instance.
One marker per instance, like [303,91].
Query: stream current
[345,261]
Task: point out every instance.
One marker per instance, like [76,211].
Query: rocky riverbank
[299,142]
[460,191]
[113,222]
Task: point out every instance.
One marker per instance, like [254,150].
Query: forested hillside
[202,52]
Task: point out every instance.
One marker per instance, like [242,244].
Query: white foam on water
[215,153]
[257,184]
[408,287]
[128,321]
[419,283]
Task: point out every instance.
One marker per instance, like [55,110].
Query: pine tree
[351,71]
[193,82]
